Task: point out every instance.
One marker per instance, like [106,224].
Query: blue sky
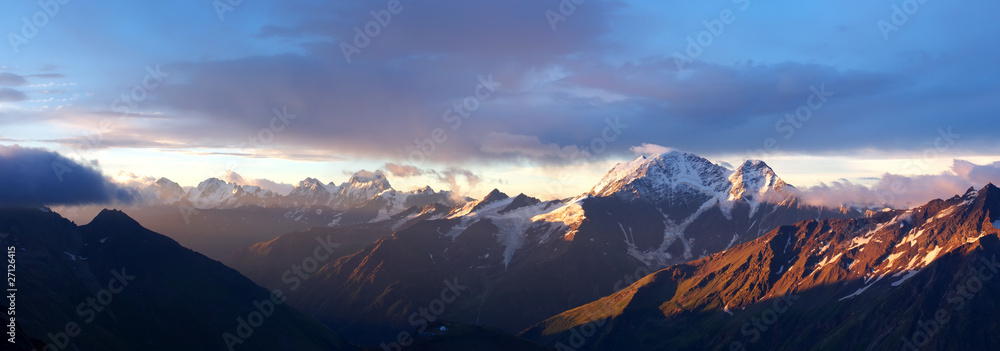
[562,84]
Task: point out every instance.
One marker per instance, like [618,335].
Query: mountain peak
[520,201]
[492,197]
[364,185]
[113,218]
[166,190]
[211,183]
[310,183]
[364,176]
[424,190]
[164,182]
[755,181]
[309,187]
[659,175]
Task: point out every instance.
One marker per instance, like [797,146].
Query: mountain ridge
[827,267]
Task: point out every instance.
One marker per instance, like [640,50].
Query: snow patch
[909,274]
[827,260]
[892,258]
[912,238]
[858,292]
[859,241]
[931,256]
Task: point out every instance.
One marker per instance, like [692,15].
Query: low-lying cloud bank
[900,191]
[35,177]
[266,184]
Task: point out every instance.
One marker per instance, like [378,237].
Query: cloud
[12,95]
[391,93]
[131,180]
[650,149]
[899,191]
[528,145]
[10,79]
[977,174]
[451,176]
[266,184]
[47,75]
[32,177]
[558,85]
[402,171]
[233,177]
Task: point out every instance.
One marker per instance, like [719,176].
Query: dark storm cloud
[30,177]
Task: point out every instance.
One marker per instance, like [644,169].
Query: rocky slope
[896,280]
[113,285]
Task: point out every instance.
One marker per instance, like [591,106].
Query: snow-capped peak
[212,192]
[364,176]
[424,190]
[659,175]
[310,187]
[167,190]
[677,177]
[755,181]
[363,186]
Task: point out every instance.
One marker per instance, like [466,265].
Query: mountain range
[899,280]
[667,251]
[522,259]
[360,190]
[217,217]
